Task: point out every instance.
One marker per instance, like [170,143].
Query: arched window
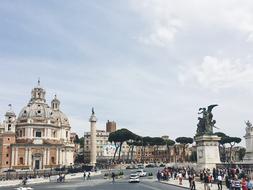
[9,127]
[52,160]
[21,161]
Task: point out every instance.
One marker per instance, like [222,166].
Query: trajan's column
[93,136]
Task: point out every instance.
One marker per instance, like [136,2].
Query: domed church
[39,138]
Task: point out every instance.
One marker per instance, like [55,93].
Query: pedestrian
[237,183]
[244,184]
[209,185]
[88,176]
[193,185]
[227,181]
[24,181]
[158,175]
[113,177]
[84,175]
[249,184]
[205,178]
[180,177]
[219,181]
[190,180]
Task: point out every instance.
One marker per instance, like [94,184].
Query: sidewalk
[185,184]
[44,180]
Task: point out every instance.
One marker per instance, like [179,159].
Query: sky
[149,65]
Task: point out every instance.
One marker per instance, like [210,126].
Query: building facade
[38,138]
[104,149]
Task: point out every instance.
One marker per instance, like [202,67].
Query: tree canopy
[184,140]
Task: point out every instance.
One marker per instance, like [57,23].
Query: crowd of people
[233,178]
[178,173]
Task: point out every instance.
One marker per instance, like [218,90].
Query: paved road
[98,183]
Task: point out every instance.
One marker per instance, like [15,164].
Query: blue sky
[147,64]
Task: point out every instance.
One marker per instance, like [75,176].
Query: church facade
[38,138]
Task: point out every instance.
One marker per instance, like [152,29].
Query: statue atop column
[206,122]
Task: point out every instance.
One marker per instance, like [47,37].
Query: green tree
[184,141]
[81,142]
[222,147]
[119,137]
[156,142]
[193,157]
[242,153]
[77,140]
[132,143]
[113,138]
[169,143]
[231,141]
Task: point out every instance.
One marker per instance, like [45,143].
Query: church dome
[60,117]
[33,112]
[38,111]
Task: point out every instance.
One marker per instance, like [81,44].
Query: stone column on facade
[60,156]
[16,156]
[63,157]
[93,136]
[48,155]
[30,158]
[57,155]
[65,160]
[44,158]
[29,132]
[26,156]
[12,156]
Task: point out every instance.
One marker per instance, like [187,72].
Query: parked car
[134,178]
[140,166]
[150,166]
[10,170]
[141,173]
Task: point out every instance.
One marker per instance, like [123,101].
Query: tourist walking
[88,176]
[113,177]
[193,185]
[244,184]
[205,178]
[84,175]
[180,178]
[236,183]
[219,181]
[249,184]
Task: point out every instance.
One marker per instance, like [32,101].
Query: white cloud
[216,73]
[162,34]
[165,19]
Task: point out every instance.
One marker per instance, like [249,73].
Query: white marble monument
[249,143]
[207,151]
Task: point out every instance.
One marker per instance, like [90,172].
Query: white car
[24,188]
[141,173]
[134,178]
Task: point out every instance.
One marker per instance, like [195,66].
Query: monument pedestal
[249,143]
[207,151]
[248,158]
